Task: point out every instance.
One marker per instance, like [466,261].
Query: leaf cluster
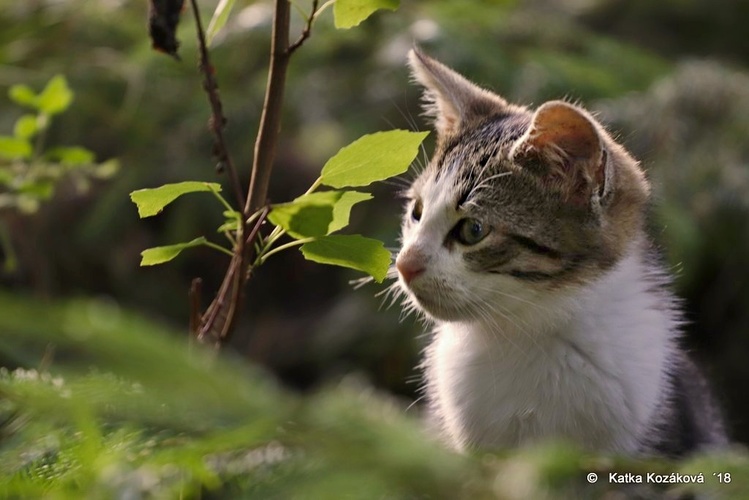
[311,219]
[29,172]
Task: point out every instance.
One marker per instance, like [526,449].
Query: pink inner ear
[563,127]
[564,148]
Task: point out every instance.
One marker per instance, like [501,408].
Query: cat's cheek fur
[437,291]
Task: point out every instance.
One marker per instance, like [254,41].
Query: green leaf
[342,209]
[23,95]
[26,127]
[71,155]
[307,216]
[220,16]
[56,96]
[349,13]
[13,147]
[41,190]
[353,251]
[159,255]
[317,214]
[152,201]
[232,222]
[106,169]
[372,158]
[229,225]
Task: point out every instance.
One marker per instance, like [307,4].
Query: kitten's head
[515,206]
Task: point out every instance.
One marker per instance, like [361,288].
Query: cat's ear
[451,100]
[564,147]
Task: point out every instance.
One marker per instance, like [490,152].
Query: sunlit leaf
[152,201]
[372,158]
[218,21]
[353,251]
[25,127]
[56,96]
[24,95]
[349,13]
[229,225]
[159,255]
[342,209]
[71,155]
[307,216]
[14,147]
[317,214]
[232,222]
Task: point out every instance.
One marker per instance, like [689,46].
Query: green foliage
[123,408]
[159,255]
[311,218]
[13,148]
[55,98]
[316,214]
[29,174]
[354,251]
[151,202]
[139,412]
[350,13]
[374,157]
[218,21]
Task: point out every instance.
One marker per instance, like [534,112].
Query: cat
[523,242]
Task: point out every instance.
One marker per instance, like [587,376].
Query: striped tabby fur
[523,242]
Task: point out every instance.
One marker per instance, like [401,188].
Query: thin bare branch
[270,120]
[307,31]
[258,223]
[218,120]
[218,321]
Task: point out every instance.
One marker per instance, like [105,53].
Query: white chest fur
[592,373]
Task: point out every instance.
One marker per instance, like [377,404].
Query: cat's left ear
[564,147]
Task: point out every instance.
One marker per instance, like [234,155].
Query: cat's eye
[416,211]
[470,231]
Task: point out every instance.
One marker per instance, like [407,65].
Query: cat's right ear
[563,147]
[451,100]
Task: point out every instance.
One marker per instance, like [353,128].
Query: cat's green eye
[470,231]
[416,211]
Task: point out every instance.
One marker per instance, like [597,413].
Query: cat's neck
[593,357]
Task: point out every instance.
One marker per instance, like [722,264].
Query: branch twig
[306,32]
[270,120]
[218,120]
[217,322]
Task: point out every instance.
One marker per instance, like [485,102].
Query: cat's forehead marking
[441,191]
[474,152]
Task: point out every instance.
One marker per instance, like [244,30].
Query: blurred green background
[669,78]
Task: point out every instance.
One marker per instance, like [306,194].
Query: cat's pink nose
[410,265]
